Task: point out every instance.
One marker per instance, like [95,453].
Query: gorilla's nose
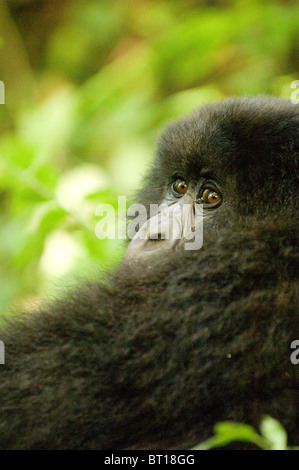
[167,230]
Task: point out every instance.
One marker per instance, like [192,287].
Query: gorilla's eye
[211,198]
[179,187]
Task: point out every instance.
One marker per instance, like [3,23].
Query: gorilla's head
[234,159]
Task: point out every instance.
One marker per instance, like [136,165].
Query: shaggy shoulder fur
[163,351]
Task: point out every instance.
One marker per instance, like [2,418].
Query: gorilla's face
[219,165]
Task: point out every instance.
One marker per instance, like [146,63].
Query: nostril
[156,237]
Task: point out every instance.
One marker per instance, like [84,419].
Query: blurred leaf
[274,432]
[48,125]
[228,432]
[273,436]
[16,152]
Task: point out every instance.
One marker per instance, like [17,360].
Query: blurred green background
[88,85]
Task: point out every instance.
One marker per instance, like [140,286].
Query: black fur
[164,350]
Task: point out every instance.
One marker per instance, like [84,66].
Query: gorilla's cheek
[175,225]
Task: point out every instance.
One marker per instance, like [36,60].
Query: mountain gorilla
[176,339]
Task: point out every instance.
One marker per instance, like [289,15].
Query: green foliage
[272,436]
[85,99]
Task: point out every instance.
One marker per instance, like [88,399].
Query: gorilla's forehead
[230,135]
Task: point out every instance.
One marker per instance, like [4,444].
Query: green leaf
[274,432]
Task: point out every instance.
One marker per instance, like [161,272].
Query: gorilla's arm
[161,353]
